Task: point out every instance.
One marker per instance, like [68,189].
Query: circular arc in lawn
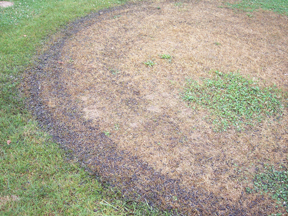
[111,92]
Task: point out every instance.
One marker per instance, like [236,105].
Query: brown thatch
[94,82]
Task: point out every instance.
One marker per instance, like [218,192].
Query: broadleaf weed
[234,100]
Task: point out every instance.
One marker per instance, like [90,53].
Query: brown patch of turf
[128,121]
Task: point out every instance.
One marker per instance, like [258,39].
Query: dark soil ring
[63,77]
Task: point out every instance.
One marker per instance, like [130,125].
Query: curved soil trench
[127,121]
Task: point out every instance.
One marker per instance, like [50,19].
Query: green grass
[165,56]
[35,177]
[36,20]
[32,167]
[150,63]
[272,181]
[178,4]
[107,133]
[234,100]
[35,171]
[278,6]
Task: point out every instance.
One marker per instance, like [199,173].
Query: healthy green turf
[35,177]
[278,6]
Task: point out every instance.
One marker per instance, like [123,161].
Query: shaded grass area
[234,100]
[278,6]
[35,177]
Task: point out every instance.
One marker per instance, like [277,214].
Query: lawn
[278,6]
[125,82]
[37,177]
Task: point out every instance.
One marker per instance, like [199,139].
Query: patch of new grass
[273,181]
[150,63]
[35,177]
[165,56]
[278,6]
[234,100]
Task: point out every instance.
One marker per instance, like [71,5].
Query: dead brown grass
[105,78]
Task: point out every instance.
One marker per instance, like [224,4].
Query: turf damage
[127,121]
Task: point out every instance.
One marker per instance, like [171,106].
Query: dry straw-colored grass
[107,81]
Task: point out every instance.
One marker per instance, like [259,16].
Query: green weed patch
[272,181]
[234,100]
